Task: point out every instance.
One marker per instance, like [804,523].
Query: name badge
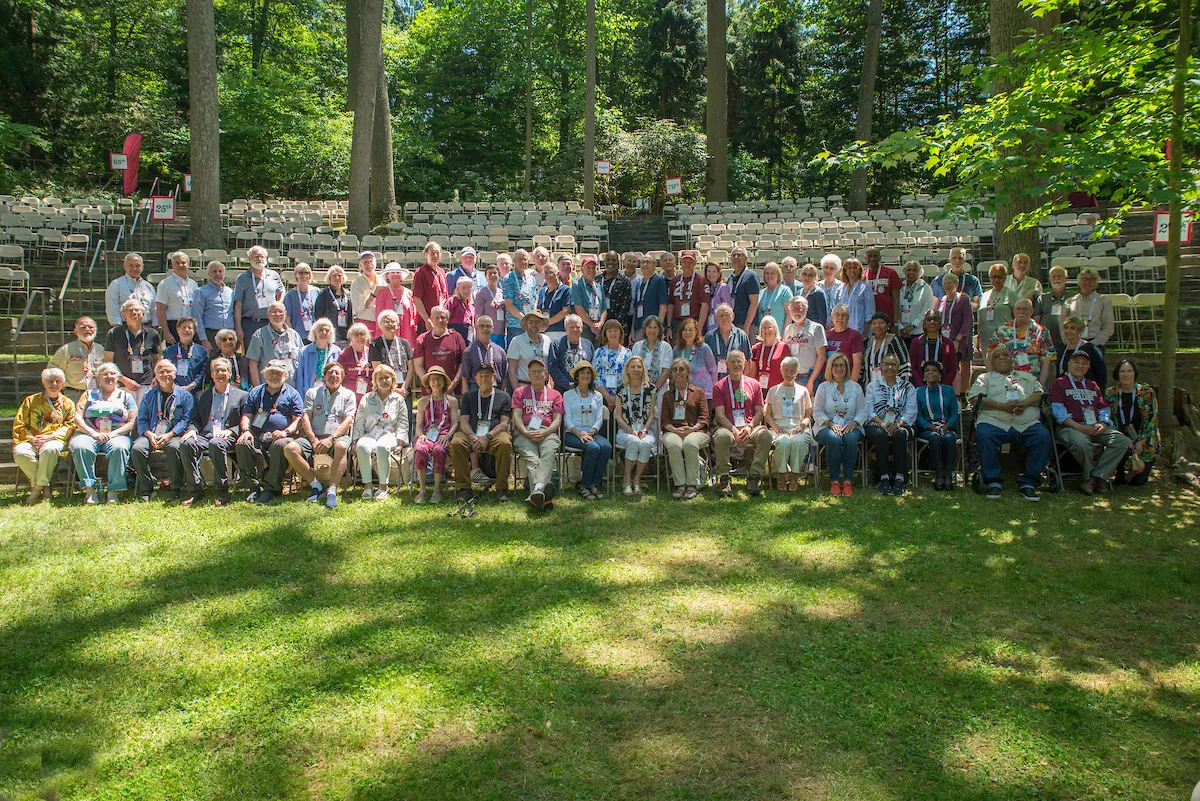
[795,346]
[137,365]
[685,309]
[640,312]
[722,368]
[331,425]
[104,425]
[788,407]
[526,307]
[989,314]
[1012,393]
[680,413]
[889,416]
[260,420]
[1089,416]
[433,432]
[181,368]
[1056,309]
[594,312]
[263,301]
[876,373]
[739,417]
[360,386]
[612,381]
[946,331]
[586,416]
[535,422]
[482,428]
[161,427]
[1023,360]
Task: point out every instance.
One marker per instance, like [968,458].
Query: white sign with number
[603,167]
[162,208]
[674,186]
[118,161]
[187,182]
[1162,225]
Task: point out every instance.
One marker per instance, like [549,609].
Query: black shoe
[222,497]
[993,493]
[898,486]
[885,486]
[193,499]
[753,486]
[1030,494]
[176,495]
[463,495]
[725,489]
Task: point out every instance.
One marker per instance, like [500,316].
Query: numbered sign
[603,167]
[1162,225]
[162,208]
[187,182]
[674,186]
[118,161]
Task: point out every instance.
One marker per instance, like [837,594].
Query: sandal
[628,491]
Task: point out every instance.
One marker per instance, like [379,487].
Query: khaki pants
[683,454]
[38,465]
[1114,443]
[538,458]
[756,450]
[500,446]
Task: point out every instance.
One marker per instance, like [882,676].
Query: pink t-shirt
[445,351]
[745,395]
[402,303]
[848,342]
[461,312]
[545,404]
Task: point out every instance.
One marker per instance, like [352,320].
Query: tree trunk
[1166,390]
[525,192]
[866,100]
[205,126]
[717,111]
[358,219]
[383,171]
[258,36]
[1008,21]
[353,23]
[112,57]
[589,112]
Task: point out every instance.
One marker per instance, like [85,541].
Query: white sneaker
[114,497]
[368,493]
[93,497]
[381,494]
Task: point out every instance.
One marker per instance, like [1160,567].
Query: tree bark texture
[589,111]
[866,100]
[204,122]
[383,171]
[358,220]
[717,106]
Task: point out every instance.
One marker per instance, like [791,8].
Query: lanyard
[735,281]
[1077,389]
[766,356]
[875,354]
[895,394]
[141,337]
[479,410]
[1024,341]
[643,285]
[733,395]
[937,349]
[220,412]
[339,301]
[1126,417]
[57,409]
[1092,307]
[433,418]
[393,352]
[262,402]
[950,309]
[929,409]
[724,344]
[361,364]
[260,284]
[637,414]
[167,405]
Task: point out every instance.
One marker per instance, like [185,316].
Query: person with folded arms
[788,416]
[328,415]
[1009,412]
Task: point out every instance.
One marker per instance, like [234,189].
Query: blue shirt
[940,403]
[249,290]
[523,292]
[281,408]
[818,309]
[774,302]
[301,310]
[477,276]
[177,407]
[212,307]
[190,366]
[742,287]
[861,300]
[564,356]
[553,302]
[648,296]
[721,348]
[967,284]
[588,298]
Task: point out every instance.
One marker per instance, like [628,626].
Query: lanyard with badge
[136,363]
[587,410]
[260,419]
[736,397]
[218,416]
[483,424]
[183,365]
[723,346]
[841,405]
[798,338]
[787,403]
[101,411]
[165,412]
[536,406]
[612,374]
[680,413]
[361,366]
[1020,347]
[1126,416]
[643,285]
[765,356]
[875,360]
[1012,388]
[435,424]
[941,407]
[896,393]
[395,357]
[637,414]
[260,290]
[949,317]
[1087,329]
[341,303]
[937,350]
[1056,305]
[593,298]
[1081,394]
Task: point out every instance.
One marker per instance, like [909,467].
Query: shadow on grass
[925,650]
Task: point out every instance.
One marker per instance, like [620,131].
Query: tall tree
[353,45]
[383,170]
[527,62]
[1183,49]
[866,99]
[204,124]
[717,111]
[358,219]
[675,61]
[589,110]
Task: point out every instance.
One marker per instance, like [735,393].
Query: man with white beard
[79,359]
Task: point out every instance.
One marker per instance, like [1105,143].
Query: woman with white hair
[105,418]
[316,354]
[134,347]
[788,414]
[41,428]
[831,286]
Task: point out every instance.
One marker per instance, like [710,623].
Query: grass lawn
[931,648]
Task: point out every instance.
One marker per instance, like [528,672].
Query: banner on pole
[1162,226]
[133,152]
[162,208]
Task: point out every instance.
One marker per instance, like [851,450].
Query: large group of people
[521,360]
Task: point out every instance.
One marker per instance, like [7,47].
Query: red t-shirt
[883,284]
[546,404]
[429,287]
[356,365]
[687,293]
[1077,395]
[848,342]
[768,362]
[750,400]
[445,351]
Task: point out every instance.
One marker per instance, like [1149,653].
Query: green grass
[930,648]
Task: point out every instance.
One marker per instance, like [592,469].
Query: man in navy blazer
[214,428]
[567,352]
[163,416]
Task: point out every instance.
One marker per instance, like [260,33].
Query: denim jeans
[84,450]
[841,452]
[1035,439]
[595,458]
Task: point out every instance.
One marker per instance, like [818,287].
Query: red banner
[133,149]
